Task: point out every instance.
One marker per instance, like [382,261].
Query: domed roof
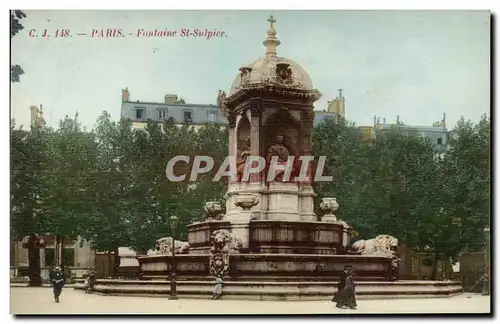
[263,70]
[272,69]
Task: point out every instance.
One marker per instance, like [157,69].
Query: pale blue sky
[415,64]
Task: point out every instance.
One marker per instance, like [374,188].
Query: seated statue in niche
[279,149]
[240,164]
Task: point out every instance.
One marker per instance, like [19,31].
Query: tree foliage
[398,184]
[109,185]
[466,182]
[15,28]
[27,159]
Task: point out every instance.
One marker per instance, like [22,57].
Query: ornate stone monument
[270,233]
[270,114]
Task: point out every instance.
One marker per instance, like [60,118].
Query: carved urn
[246,200]
[329,206]
[213,210]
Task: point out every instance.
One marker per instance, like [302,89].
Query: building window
[188,117]
[212,116]
[69,257]
[50,257]
[440,141]
[139,113]
[162,113]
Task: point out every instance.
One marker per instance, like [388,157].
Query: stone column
[232,151]
[307,194]
[255,114]
[255,185]
[232,134]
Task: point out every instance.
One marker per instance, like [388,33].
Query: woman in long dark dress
[346,295]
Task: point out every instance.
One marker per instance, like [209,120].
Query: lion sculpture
[223,244]
[222,240]
[164,247]
[380,245]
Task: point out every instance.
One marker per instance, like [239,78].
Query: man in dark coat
[345,297]
[57,282]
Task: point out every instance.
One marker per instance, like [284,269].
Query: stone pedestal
[240,226]
[128,257]
[240,219]
[199,235]
[237,188]
[306,204]
[330,218]
[283,202]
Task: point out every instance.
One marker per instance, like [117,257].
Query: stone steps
[278,290]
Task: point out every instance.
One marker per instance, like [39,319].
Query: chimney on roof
[171,98]
[34,114]
[337,105]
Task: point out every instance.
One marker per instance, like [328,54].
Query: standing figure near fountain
[346,294]
[218,288]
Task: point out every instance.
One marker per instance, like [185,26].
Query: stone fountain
[270,244]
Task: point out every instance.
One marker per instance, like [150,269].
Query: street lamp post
[173,279]
[485,290]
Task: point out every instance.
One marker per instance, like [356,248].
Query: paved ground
[39,301]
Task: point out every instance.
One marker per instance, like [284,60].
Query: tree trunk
[34,271]
[59,251]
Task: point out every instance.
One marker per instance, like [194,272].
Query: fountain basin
[270,267]
[268,236]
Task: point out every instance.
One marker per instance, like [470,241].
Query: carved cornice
[307,116]
[252,90]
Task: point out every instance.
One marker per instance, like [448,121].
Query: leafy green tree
[15,28]
[466,184]
[405,173]
[342,145]
[70,156]
[108,224]
[212,141]
[27,156]
[383,185]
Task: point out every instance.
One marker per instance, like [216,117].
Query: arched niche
[281,123]
[242,134]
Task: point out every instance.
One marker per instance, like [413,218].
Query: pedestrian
[345,297]
[218,288]
[57,282]
[90,282]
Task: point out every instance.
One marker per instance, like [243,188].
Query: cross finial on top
[271,21]
[271,41]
